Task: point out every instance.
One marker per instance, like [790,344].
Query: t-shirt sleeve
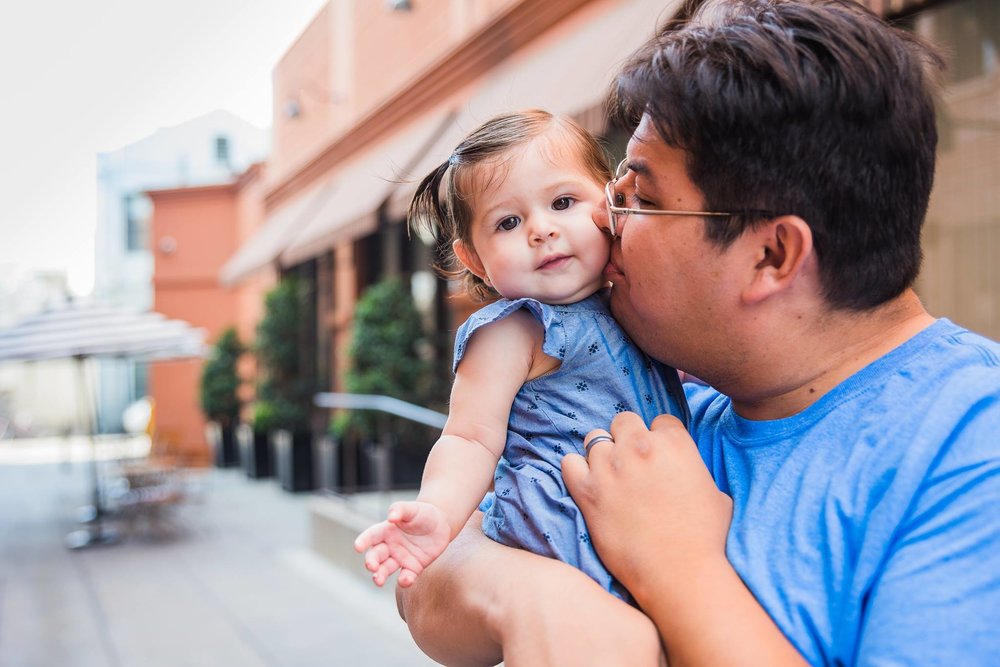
[706,406]
[937,599]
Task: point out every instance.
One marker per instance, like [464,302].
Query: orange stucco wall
[303,78]
[391,48]
[353,56]
[249,293]
[194,231]
[249,218]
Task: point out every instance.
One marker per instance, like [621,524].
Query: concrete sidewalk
[230,580]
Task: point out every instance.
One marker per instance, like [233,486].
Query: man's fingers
[668,431]
[575,470]
[627,425]
[667,423]
[596,438]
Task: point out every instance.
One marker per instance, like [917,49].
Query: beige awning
[568,75]
[263,248]
[361,185]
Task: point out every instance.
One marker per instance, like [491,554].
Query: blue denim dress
[602,373]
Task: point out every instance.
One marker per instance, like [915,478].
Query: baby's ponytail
[438,217]
[426,212]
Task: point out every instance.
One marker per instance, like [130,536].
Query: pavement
[225,578]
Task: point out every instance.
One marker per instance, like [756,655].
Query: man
[768,214]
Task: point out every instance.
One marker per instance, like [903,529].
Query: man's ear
[784,247]
[470,259]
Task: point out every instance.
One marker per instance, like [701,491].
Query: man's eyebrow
[639,169]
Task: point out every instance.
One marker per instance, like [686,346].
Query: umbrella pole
[95,533]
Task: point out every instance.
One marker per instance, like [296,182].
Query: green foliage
[263,416]
[220,381]
[270,415]
[285,382]
[385,357]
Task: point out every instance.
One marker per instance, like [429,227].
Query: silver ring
[594,441]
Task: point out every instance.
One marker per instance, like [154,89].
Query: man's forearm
[709,617]
[449,608]
[481,602]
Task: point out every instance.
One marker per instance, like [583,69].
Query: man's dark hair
[818,109]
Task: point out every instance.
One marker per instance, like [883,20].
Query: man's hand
[659,524]
[650,503]
[412,536]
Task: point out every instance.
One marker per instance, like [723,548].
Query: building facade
[364,107]
[211,149]
[193,231]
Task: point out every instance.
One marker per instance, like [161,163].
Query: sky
[78,78]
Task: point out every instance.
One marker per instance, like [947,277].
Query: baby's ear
[467,256]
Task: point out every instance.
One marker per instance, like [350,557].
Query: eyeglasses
[617,214]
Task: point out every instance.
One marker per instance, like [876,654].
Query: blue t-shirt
[868,525]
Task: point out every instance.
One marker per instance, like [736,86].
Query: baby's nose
[542,228]
[602,219]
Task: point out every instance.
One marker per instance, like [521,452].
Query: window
[222,149]
[137,209]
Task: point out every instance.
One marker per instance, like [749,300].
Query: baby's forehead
[555,146]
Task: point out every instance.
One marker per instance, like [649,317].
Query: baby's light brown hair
[442,204]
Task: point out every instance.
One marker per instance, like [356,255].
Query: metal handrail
[388,404]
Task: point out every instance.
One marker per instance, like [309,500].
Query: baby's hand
[413,535]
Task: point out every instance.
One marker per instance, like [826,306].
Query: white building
[208,150]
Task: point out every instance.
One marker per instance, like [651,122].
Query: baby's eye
[509,223]
[562,203]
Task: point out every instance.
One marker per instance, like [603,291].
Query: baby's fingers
[406,578]
[370,536]
[375,556]
[402,512]
[387,567]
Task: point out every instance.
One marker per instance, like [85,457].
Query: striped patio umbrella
[84,330]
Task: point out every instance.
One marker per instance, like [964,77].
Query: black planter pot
[293,451]
[223,442]
[328,468]
[255,452]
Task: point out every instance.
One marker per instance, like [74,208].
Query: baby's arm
[499,358]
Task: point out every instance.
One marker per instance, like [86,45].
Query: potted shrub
[254,442]
[286,382]
[219,396]
[386,359]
